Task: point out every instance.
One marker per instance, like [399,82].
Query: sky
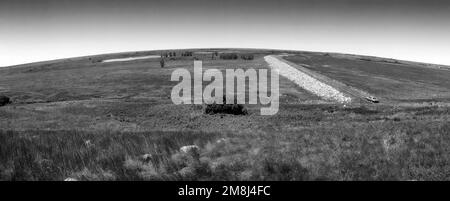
[38,30]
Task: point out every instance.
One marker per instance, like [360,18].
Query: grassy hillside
[390,80]
[89,120]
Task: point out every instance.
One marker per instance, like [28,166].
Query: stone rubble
[305,81]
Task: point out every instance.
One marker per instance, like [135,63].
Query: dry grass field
[85,119]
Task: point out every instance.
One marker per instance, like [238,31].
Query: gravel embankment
[305,81]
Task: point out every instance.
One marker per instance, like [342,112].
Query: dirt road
[339,91]
[306,81]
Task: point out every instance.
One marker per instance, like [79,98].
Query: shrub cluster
[224,108]
[4,100]
[186,54]
[247,56]
[229,56]
[169,54]
[234,56]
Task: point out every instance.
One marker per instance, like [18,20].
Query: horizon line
[218,48]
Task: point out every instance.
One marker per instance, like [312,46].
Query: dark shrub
[236,109]
[247,56]
[228,56]
[186,54]
[4,100]
[162,62]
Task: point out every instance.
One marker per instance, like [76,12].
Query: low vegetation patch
[224,108]
[4,100]
[186,54]
[361,110]
[247,56]
[229,56]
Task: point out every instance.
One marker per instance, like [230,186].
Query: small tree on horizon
[162,62]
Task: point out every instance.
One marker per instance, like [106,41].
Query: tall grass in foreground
[354,151]
[56,155]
